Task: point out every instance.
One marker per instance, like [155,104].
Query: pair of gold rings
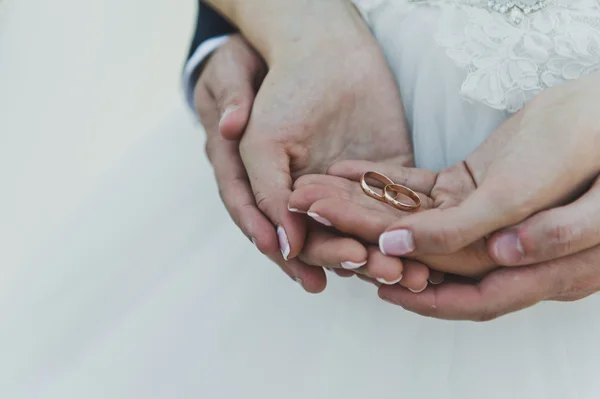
[390,192]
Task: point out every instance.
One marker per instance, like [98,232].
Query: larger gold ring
[400,189]
[368,190]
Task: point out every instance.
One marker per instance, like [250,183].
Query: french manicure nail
[509,249]
[284,243]
[418,291]
[384,281]
[353,265]
[295,210]
[397,242]
[320,219]
[437,282]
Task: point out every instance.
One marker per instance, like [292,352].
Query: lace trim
[511,58]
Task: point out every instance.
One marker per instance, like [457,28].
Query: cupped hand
[541,159]
[224,95]
[505,290]
[339,201]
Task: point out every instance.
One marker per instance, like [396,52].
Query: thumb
[509,177]
[446,230]
[551,234]
[233,86]
[268,167]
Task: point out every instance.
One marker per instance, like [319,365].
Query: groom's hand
[505,290]
[315,107]
[224,95]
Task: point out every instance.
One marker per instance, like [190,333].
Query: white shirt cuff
[200,54]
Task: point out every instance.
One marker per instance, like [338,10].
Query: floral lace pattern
[511,58]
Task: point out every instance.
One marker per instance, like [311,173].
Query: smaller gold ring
[368,190]
[400,189]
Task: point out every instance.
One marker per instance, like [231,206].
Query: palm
[319,120]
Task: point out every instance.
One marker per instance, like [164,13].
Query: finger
[268,168]
[326,249]
[324,180]
[416,276]
[369,280]
[436,277]
[234,187]
[384,269]
[304,197]
[551,234]
[447,230]
[344,273]
[350,218]
[500,293]
[311,279]
[420,180]
[232,76]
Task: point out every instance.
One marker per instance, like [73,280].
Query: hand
[341,203]
[505,290]
[224,95]
[314,108]
[543,157]
[338,201]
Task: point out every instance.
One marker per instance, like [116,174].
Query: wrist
[280,29]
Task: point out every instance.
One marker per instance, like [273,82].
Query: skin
[340,200]
[540,160]
[328,95]
[558,204]
[224,95]
[542,221]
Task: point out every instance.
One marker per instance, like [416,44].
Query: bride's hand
[340,202]
[543,157]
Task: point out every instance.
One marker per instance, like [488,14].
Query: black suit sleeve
[210,24]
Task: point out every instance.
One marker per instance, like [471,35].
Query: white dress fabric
[122,276]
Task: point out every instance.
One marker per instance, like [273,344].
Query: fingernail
[295,210]
[253,240]
[384,281]
[284,243]
[229,110]
[508,249]
[397,242]
[353,265]
[418,291]
[299,281]
[437,282]
[320,219]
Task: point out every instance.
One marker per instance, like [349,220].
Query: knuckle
[447,239]
[562,237]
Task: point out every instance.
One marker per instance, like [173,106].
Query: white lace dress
[464,65]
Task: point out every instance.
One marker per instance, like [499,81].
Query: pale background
[121,275]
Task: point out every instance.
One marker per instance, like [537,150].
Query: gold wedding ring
[368,190]
[400,189]
[390,192]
